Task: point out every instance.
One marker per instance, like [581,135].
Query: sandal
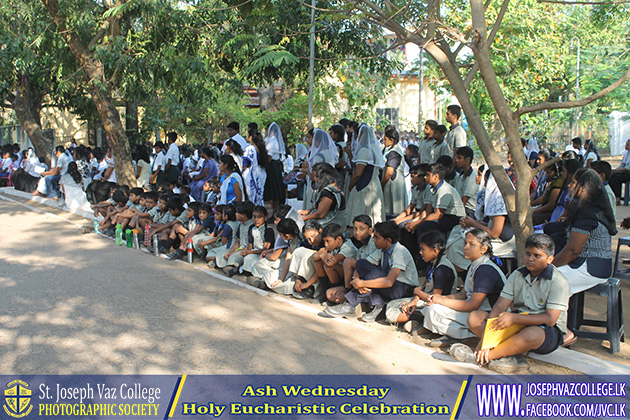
[569,342]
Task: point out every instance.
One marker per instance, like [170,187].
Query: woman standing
[321,149]
[366,195]
[274,185]
[231,181]
[208,171]
[255,163]
[393,179]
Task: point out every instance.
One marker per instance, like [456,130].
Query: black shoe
[343,310]
[230,270]
[371,316]
[304,294]
[178,254]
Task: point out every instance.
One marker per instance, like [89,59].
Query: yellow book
[492,338]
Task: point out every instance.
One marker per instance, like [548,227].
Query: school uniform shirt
[159,162]
[347,249]
[396,257]
[441,149]
[208,224]
[456,137]
[425,150]
[243,232]
[445,197]
[466,186]
[423,196]
[230,231]
[550,290]
[612,199]
[484,276]
[184,220]
[172,154]
[363,249]
[162,218]
[443,275]
[259,235]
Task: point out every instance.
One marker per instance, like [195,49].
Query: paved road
[77,304]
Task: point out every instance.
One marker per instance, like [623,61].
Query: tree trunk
[270,100]
[131,120]
[29,118]
[101,95]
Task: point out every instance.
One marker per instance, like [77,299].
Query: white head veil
[323,149]
[368,148]
[300,152]
[274,141]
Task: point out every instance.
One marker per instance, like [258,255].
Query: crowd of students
[411,231]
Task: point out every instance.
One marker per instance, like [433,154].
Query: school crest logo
[17,397]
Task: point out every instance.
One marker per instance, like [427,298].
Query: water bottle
[156,251]
[136,240]
[147,236]
[129,238]
[190,250]
[97,228]
[119,239]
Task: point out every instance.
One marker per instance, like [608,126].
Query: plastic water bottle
[129,238]
[190,250]
[156,251]
[136,240]
[147,236]
[119,239]
[97,228]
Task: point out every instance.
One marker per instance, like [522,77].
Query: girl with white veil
[322,149]
[366,194]
[28,178]
[274,185]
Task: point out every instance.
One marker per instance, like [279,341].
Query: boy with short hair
[449,170]
[120,200]
[418,186]
[440,147]
[465,183]
[140,220]
[200,225]
[362,241]
[386,274]
[133,206]
[328,261]
[538,289]
[444,208]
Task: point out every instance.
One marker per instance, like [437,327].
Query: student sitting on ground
[441,276]
[216,237]
[328,262]
[364,244]
[109,223]
[261,238]
[448,315]
[141,219]
[271,259]
[388,273]
[133,207]
[535,296]
[229,234]
[231,259]
[200,226]
[181,226]
[418,191]
[302,267]
[272,269]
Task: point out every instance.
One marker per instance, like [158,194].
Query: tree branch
[545,165]
[573,104]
